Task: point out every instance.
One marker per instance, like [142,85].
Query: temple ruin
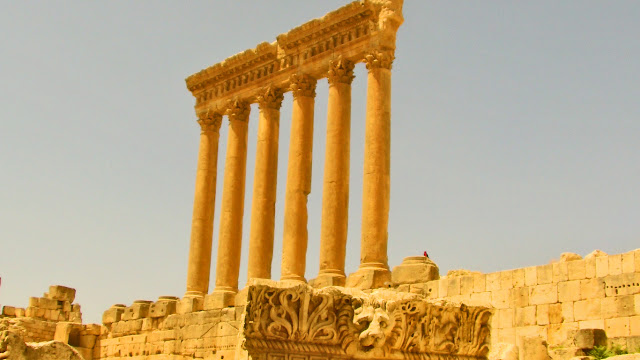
[557,311]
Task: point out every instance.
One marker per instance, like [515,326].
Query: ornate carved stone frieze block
[238,110]
[303,85]
[340,71]
[271,98]
[210,122]
[345,323]
[379,59]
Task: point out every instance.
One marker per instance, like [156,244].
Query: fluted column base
[370,276]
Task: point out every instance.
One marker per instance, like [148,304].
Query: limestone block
[623,284]
[587,339]
[542,314]
[525,316]
[634,326]
[591,324]
[602,266]
[560,272]
[569,256]
[520,296]
[543,294]
[613,307]
[577,270]
[91,329]
[164,307]
[587,309]
[569,291]
[61,293]
[8,310]
[503,351]
[479,283]
[75,307]
[113,314]
[505,318]
[545,274]
[443,287]
[219,300]
[493,281]
[432,289]
[501,299]
[518,278]
[555,313]
[415,269]
[628,262]
[49,304]
[591,289]
[190,304]
[506,280]
[595,253]
[481,299]
[533,348]
[401,288]
[615,264]
[617,327]
[530,276]
[557,334]
[466,285]
[20,312]
[34,302]
[453,286]
[568,311]
[138,310]
[590,268]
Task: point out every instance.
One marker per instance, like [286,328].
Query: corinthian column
[374,270]
[335,188]
[264,186]
[199,266]
[230,239]
[294,245]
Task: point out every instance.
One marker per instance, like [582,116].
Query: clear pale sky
[515,137]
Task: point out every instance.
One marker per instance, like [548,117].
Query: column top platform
[351,32]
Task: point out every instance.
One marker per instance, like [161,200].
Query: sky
[515,129]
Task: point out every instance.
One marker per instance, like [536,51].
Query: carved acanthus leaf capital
[271,98]
[210,121]
[340,71]
[378,59]
[303,85]
[238,110]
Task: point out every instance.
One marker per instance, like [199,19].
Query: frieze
[380,325]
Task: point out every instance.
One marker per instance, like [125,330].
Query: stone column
[263,206]
[374,270]
[199,266]
[230,238]
[294,245]
[335,189]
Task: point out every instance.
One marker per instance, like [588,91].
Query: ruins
[557,311]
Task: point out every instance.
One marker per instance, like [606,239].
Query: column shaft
[374,270]
[199,266]
[264,187]
[335,189]
[298,186]
[230,238]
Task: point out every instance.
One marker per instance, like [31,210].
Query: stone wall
[601,291]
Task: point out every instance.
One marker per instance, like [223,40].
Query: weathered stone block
[569,291]
[479,283]
[602,266]
[543,294]
[190,304]
[542,314]
[518,278]
[8,310]
[443,287]
[503,351]
[415,269]
[591,289]
[617,327]
[493,281]
[138,310]
[453,286]
[545,274]
[432,289]
[577,269]
[557,334]
[634,326]
[587,309]
[61,293]
[525,316]
[555,313]
[466,285]
[481,299]
[560,272]
[613,307]
[591,324]
[587,339]
[49,304]
[530,276]
[628,262]
[501,299]
[113,314]
[590,268]
[219,300]
[615,264]
[162,308]
[533,348]
[506,280]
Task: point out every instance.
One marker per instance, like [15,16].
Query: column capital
[271,98]
[379,59]
[238,110]
[303,85]
[209,122]
[340,71]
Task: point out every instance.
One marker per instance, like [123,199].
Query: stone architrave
[264,186]
[199,266]
[294,247]
[335,190]
[232,209]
